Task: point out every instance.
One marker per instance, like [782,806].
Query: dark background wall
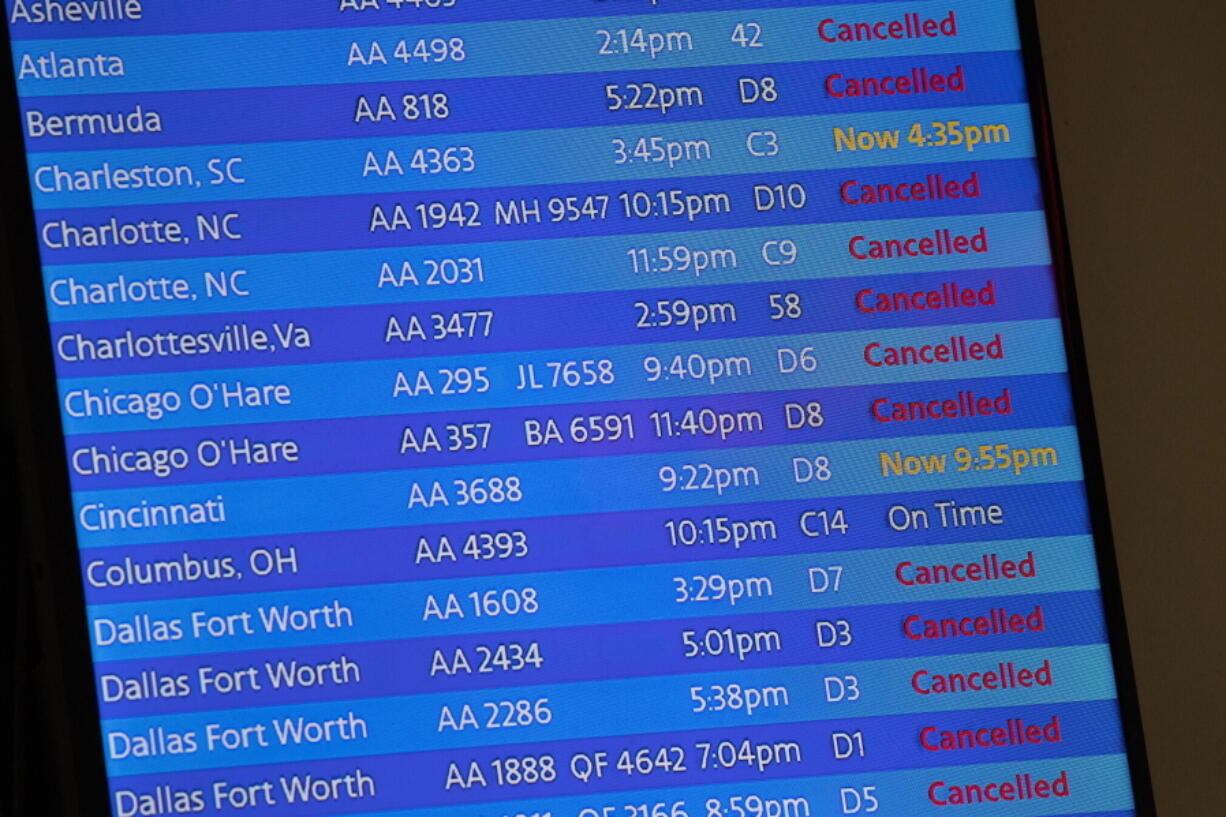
[1137,95]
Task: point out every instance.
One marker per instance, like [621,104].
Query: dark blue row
[418,780]
[468,216]
[239,15]
[348,558]
[235,116]
[474,437]
[639,649]
[536,322]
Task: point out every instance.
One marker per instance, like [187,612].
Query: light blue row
[540,267]
[376,388]
[1098,784]
[548,488]
[502,159]
[504,48]
[645,705]
[380,612]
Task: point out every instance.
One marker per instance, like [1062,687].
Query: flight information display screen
[567,408]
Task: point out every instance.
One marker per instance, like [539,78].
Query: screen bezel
[55,682]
